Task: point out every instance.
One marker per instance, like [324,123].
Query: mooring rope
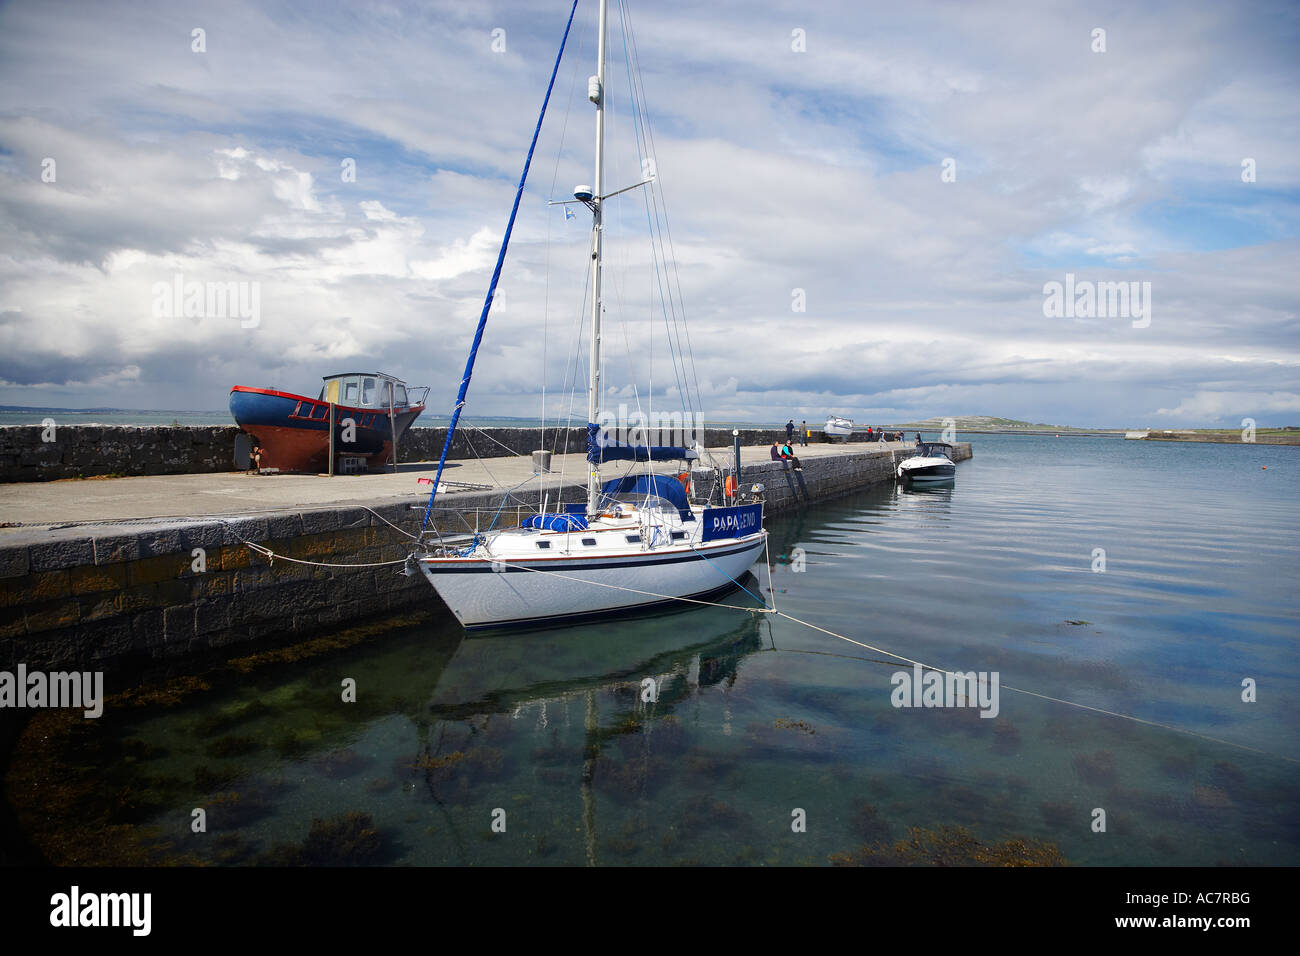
[1057,700]
[271,556]
[899,657]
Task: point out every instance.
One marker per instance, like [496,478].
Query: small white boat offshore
[837,427]
[931,464]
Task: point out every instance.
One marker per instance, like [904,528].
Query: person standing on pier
[803,434]
[789,431]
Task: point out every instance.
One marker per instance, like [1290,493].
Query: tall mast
[596,93]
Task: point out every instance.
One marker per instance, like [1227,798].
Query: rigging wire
[672,253]
[656,242]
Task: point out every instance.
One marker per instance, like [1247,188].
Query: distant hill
[977,422]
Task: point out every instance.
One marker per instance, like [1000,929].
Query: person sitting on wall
[787,454]
[776,455]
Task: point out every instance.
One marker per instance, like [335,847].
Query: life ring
[685,479]
[730,486]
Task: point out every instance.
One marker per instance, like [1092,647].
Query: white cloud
[818,171]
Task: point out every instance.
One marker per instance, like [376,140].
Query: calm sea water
[758,718]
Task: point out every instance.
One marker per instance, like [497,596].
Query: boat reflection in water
[443,729]
[504,670]
[624,682]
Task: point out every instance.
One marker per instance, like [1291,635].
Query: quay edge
[101,593]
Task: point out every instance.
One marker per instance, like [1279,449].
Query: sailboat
[638,541]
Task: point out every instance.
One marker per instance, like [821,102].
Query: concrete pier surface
[103,571]
[51,503]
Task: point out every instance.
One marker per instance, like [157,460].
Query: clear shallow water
[756,717]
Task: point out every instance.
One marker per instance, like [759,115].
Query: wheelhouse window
[399,395]
[349,393]
[367,391]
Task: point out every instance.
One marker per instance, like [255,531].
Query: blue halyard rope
[496,275]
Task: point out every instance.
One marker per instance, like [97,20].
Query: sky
[865,206]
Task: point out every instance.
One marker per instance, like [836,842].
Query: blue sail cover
[599,450]
[665,486]
[556,522]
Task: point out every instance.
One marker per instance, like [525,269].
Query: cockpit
[364,390]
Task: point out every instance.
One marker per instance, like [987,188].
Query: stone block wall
[84,451]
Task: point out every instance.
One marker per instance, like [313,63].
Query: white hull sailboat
[638,542]
[580,581]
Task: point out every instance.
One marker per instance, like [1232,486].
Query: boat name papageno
[946,689]
[1098,300]
[58,689]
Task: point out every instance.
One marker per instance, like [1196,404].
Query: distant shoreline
[34,415]
[1266,436]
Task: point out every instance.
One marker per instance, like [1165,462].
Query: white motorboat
[931,464]
[837,427]
[638,541]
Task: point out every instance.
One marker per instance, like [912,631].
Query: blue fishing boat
[371,411]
